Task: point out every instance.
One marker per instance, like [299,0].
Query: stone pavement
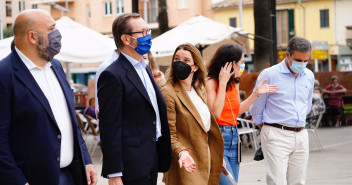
[333,166]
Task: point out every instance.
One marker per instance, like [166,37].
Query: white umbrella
[79,43]
[199,31]
[5,47]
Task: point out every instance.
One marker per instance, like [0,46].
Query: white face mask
[316,95]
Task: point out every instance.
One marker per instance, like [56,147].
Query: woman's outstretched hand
[187,162]
[263,88]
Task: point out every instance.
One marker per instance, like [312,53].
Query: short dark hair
[91,100]
[334,78]
[225,53]
[121,26]
[299,44]
[320,89]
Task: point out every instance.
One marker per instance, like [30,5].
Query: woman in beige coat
[196,141]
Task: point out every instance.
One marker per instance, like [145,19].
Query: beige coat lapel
[184,98]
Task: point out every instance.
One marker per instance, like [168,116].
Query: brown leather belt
[295,129]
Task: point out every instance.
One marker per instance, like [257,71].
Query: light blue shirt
[291,103]
[101,68]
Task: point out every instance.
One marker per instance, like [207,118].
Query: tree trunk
[162,17]
[262,47]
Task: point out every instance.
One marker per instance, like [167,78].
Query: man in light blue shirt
[282,115]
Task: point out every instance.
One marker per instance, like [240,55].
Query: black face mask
[181,70]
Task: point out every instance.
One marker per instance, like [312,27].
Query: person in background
[90,109]
[316,83]
[102,67]
[335,92]
[282,115]
[158,76]
[318,107]
[196,141]
[12,45]
[224,71]
[40,141]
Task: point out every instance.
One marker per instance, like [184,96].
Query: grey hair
[299,44]
[334,78]
[316,82]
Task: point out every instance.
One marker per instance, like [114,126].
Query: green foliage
[8,32]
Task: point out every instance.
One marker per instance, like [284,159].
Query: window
[282,24]
[233,21]
[8,9]
[182,4]
[21,6]
[153,11]
[285,26]
[34,6]
[324,18]
[119,6]
[8,25]
[88,12]
[108,8]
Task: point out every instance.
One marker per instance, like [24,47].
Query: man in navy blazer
[40,142]
[135,135]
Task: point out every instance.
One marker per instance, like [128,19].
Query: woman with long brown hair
[196,142]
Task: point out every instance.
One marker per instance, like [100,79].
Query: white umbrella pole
[68,72]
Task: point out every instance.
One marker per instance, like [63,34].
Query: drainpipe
[303,18]
[240,12]
[66,6]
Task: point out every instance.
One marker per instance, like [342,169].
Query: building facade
[11,8]
[323,22]
[99,14]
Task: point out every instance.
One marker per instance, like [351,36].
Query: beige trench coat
[187,131]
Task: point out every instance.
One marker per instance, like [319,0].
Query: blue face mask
[298,67]
[144,44]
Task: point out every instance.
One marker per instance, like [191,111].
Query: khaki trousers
[285,155]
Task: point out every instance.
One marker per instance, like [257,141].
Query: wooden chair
[94,130]
[81,125]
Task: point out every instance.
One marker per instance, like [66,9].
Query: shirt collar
[284,68]
[114,55]
[134,62]
[29,64]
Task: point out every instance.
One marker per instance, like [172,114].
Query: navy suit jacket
[29,135]
[127,123]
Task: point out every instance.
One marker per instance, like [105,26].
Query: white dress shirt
[202,108]
[50,86]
